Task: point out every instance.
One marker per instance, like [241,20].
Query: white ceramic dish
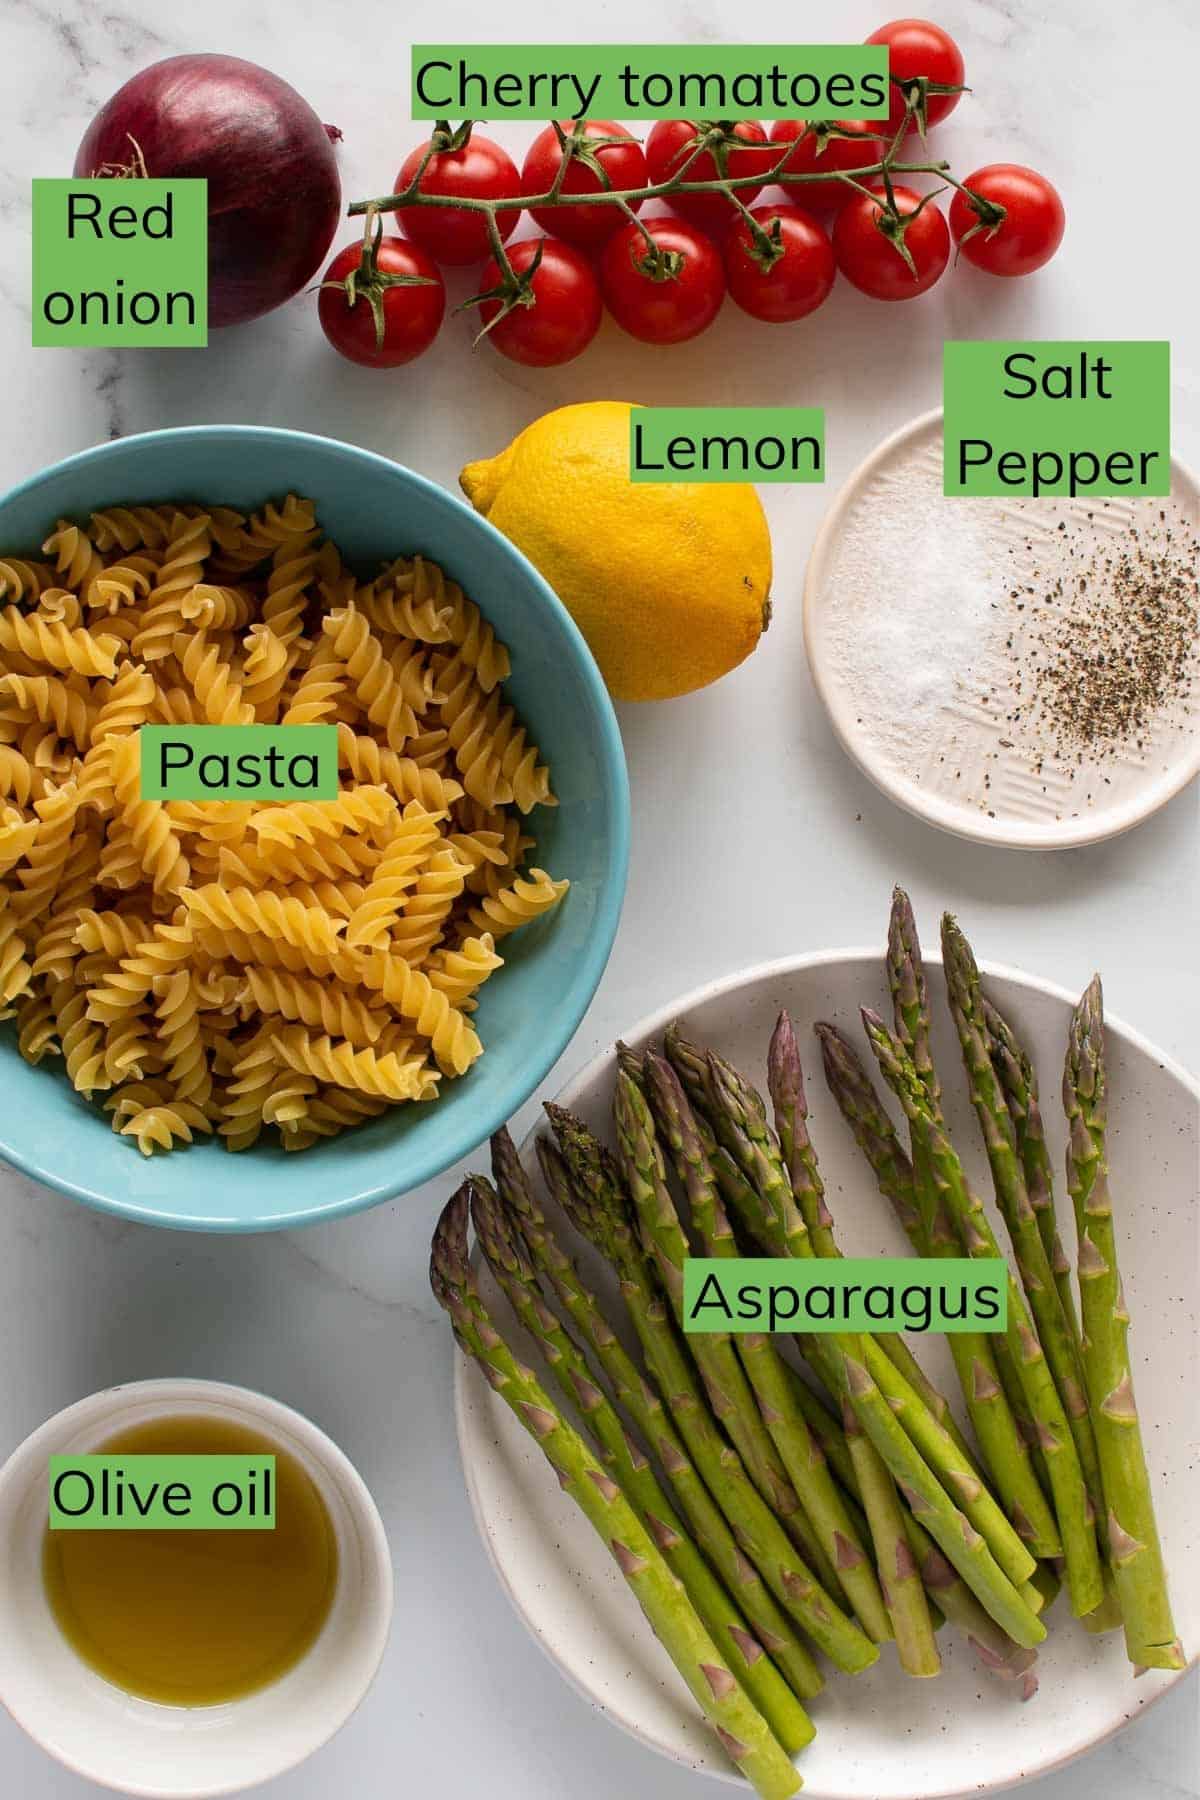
[177,1753]
[965,773]
[880,1736]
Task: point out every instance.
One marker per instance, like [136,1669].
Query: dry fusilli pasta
[231,968]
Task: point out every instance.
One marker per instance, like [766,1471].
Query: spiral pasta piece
[15,971]
[127,708]
[390,1076]
[406,780]
[75,557]
[37,1026]
[162,1126]
[390,605]
[23,580]
[304,821]
[312,1003]
[17,837]
[306,928]
[516,905]
[458,972]
[427,907]
[398,870]
[50,701]
[153,836]
[82,1041]
[127,986]
[495,761]
[56,950]
[217,692]
[262,535]
[210,607]
[123,587]
[59,606]
[188,543]
[115,934]
[372,676]
[126,528]
[268,661]
[16,776]
[183,1049]
[39,875]
[57,646]
[467,629]
[410,992]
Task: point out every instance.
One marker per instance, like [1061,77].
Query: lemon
[668,582]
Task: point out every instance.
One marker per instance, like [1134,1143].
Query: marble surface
[753,836]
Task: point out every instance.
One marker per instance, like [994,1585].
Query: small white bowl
[137,1746]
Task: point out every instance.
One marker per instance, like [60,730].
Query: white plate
[881,1736]
[961,770]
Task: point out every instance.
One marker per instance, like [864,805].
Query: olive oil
[197,1618]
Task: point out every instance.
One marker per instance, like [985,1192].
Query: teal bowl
[528,1011]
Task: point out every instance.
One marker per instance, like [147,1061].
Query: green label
[649,81]
[119,263]
[1057,418]
[889,1293]
[162,1493]
[239,762]
[726,443]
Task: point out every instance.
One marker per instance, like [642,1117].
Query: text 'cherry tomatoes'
[671,147]
[915,47]
[410,310]
[566,311]
[658,304]
[797,282]
[818,154]
[1027,236]
[481,170]
[872,262]
[624,167]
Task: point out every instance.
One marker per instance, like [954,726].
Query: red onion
[274,197]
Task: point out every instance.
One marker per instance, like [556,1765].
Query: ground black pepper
[1116,642]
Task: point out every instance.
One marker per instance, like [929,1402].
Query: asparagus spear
[873,1130]
[802,1457]
[743,1732]
[815,1609]
[949,1462]
[510,1262]
[1018,1078]
[643,1405]
[785,1080]
[1132,1533]
[1075,1518]
[715,1355]
[842,1359]
[910,1005]
[943,1584]
[599,1209]
[932,1233]
[1008,1177]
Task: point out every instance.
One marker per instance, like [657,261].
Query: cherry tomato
[649,301]
[566,312]
[669,146]
[915,48]
[873,264]
[1030,231]
[407,317]
[797,282]
[481,170]
[623,163]
[818,154]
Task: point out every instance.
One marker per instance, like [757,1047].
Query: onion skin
[274,197]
